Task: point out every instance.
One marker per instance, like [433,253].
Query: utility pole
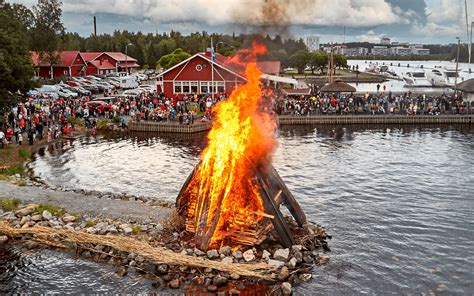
[126,57]
[469,38]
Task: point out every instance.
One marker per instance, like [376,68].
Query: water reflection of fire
[224,197]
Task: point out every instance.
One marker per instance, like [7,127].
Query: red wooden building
[194,76]
[75,63]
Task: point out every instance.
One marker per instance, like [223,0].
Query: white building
[356,51]
[420,51]
[400,51]
[385,41]
[312,42]
[380,50]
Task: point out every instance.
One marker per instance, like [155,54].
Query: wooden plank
[288,198]
[179,202]
[271,208]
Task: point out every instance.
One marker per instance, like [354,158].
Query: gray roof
[467,86]
[338,86]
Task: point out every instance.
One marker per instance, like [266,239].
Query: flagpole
[212,70]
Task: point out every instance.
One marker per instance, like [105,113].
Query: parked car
[128,82]
[65,91]
[49,91]
[113,82]
[132,93]
[92,88]
[148,87]
[82,91]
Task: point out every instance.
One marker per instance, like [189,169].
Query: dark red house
[194,76]
[75,63]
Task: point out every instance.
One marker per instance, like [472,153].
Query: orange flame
[242,137]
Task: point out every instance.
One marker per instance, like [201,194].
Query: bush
[102,124]
[89,223]
[21,183]
[55,211]
[136,229]
[25,154]
[9,204]
[116,119]
[13,171]
[75,121]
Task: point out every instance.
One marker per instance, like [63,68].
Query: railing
[148,126]
[377,119]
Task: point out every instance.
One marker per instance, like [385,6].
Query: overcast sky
[416,21]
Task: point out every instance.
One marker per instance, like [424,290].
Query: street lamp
[457,65]
[126,57]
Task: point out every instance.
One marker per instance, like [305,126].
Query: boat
[385,71]
[444,77]
[416,78]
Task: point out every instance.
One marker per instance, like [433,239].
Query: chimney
[208,52]
[95,26]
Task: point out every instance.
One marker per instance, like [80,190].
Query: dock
[174,128]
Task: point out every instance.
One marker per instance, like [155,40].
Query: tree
[169,60]
[318,60]
[16,67]
[46,30]
[340,61]
[299,60]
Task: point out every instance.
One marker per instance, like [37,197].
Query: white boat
[444,77]
[416,78]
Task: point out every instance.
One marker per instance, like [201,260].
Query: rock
[308,259]
[323,260]
[286,288]
[139,259]
[132,263]
[212,254]
[227,260]
[207,270]
[199,252]
[284,273]
[275,263]
[28,210]
[174,284]
[143,227]
[234,292]
[212,288]
[266,255]
[127,230]
[248,255]
[281,254]
[162,268]
[219,280]
[24,219]
[234,276]
[296,248]
[68,218]
[124,225]
[31,245]
[292,263]
[47,215]
[237,255]
[304,277]
[226,251]
[37,218]
[3,239]
[298,255]
[122,271]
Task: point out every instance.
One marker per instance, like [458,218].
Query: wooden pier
[155,127]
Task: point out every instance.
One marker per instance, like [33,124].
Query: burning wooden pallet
[273,192]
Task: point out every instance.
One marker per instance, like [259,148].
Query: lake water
[398,201]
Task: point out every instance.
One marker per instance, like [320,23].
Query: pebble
[37,218]
[226,251]
[292,263]
[296,248]
[47,215]
[227,260]
[234,292]
[248,255]
[212,254]
[24,219]
[69,218]
[28,210]
[31,245]
[304,277]
[286,288]
[122,271]
[199,252]
[234,276]
[219,280]
[323,260]
[162,268]
[174,284]
[127,230]
[275,263]
[284,273]
[212,288]
[281,254]
[237,255]
[3,239]
[266,255]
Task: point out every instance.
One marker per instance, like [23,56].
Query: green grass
[25,154]
[55,211]
[9,204]
[89,223]
[13,171]
[21,183]
[136,229]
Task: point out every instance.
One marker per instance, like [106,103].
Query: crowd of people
[35,118]
[380,103]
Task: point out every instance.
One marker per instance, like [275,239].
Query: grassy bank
[14,156]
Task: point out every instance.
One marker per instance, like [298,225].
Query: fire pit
[233,195]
